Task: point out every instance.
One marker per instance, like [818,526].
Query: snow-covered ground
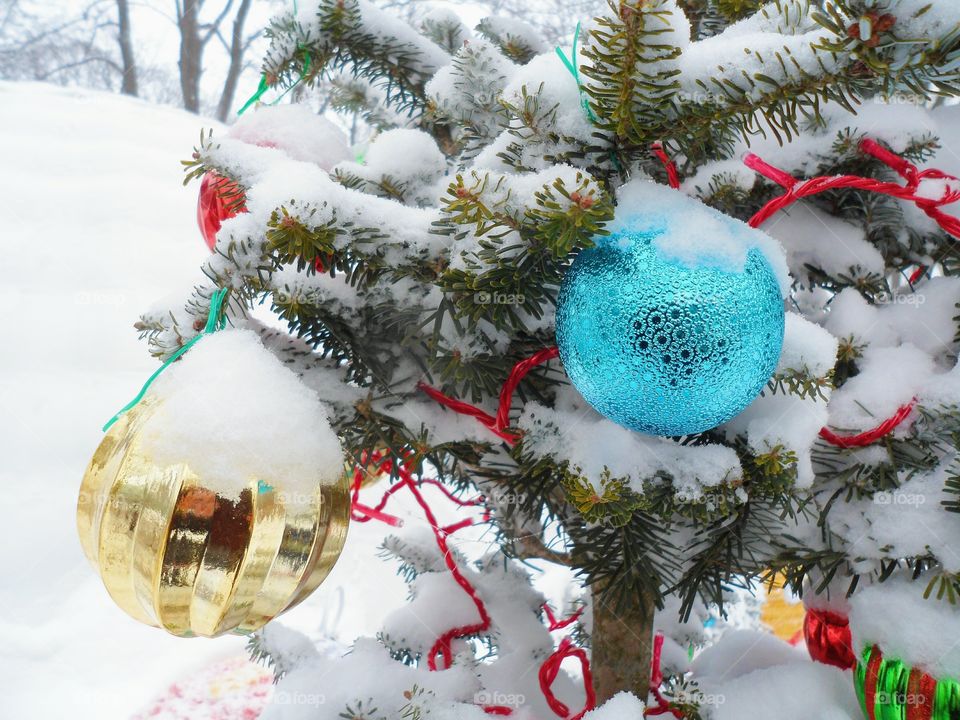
[94,227]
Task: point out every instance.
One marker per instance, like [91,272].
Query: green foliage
[607,499]
[347,43]
[631,85]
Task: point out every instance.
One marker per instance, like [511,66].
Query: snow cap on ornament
[217,501]
[673,322]
[293,129]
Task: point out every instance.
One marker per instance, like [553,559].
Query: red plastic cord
[554,624]
[551,668]
[499,424]
[868,437]
[673,177]
[443,646]
[796,189]
[656,679]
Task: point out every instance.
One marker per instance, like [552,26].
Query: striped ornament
[891,690]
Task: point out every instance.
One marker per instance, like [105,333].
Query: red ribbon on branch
[797,189]
[442,648]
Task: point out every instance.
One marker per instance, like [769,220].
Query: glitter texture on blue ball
[668,345]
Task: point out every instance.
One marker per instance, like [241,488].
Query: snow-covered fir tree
[436,257]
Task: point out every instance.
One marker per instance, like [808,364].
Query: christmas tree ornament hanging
[293,130]
[890,688]
[673,323]
[827,635]
[206,516]
[219,199]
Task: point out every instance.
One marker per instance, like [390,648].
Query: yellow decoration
[784,618]
[175,554]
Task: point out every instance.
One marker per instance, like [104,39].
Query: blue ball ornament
[663,344]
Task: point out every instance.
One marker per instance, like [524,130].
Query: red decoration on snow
[443,646]
[220,199]
[656,679]
[498,424]
[827,635]
[797,189]
[554,624]
[549,671]
[868,437]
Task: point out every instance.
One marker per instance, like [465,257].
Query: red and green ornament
[889,689]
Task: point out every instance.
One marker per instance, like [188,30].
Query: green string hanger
[574,67]
[265,84]
[216,320]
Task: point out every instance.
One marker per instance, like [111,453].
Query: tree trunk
[622,645]
[237,50]
[128,83]
[191,54]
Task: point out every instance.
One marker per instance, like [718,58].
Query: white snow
[591,444]
[748,670]
[888,379]
[807,347]
[275,431]
[922,633]
[296,130]
[692,233]
[92,195]
[908,521]
[622,706]
[546,76]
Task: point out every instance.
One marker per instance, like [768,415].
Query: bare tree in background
[93,44]
[68,47]
[196,34]
[128,77]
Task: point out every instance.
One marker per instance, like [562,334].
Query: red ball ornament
[828,638]
[220,199]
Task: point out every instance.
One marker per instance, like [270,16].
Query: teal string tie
[574,68]
[265,85]
[216,320]
[261,89]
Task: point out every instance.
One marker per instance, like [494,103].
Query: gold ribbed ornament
[175,554]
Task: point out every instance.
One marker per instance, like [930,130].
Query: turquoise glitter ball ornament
[674,322]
